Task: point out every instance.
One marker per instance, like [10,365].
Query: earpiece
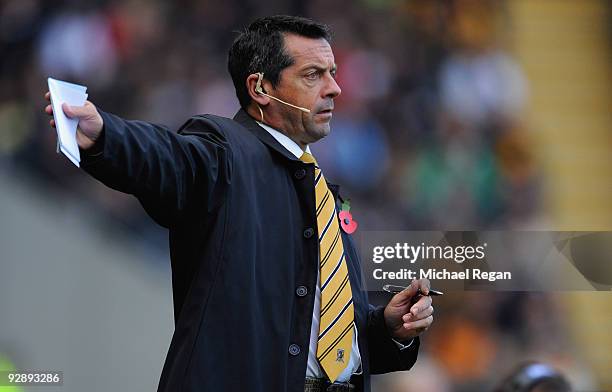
[258,88]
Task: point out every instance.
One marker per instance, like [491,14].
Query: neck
[254,112]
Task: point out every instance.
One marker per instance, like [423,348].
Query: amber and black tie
[336,318]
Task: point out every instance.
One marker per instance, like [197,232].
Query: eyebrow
[318,67]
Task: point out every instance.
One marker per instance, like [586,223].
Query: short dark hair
[260,48]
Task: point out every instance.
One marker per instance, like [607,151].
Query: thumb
[73,111]
[407,294]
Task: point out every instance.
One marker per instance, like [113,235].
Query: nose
[332,90]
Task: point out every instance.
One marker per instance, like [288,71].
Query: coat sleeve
[170,173]
[384,354]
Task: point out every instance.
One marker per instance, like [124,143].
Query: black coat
[240,209]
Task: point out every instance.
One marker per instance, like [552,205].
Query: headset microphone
[259,90]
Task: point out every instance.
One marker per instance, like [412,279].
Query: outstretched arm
[170,173]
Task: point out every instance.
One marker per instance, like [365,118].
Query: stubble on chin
[316,132]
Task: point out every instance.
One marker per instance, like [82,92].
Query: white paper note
[74,95]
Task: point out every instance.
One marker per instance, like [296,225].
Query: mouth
[325,112]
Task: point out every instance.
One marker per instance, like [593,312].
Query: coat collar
[264,136]
[243,118]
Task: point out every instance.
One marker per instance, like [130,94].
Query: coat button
[308,232]
[294,349]
[301,291]
[299,174]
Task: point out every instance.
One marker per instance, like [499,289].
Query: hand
[406,319]
[90,122]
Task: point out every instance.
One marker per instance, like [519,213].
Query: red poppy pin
[348,224]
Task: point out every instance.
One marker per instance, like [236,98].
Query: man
[267,288]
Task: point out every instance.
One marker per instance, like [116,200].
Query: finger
[49,109]
[422,304]
[424,285]
[48,96]
[52,123]
[419,316]
[74,111]
[406,294]
[419,324]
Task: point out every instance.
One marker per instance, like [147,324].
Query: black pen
[393,289]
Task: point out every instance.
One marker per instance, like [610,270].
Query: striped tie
[336,323]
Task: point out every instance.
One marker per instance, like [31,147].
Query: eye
[312,75]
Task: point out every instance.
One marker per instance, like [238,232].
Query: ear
[251,84]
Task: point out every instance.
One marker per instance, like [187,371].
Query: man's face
[309,83]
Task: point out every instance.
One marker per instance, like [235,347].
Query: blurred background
[471,115]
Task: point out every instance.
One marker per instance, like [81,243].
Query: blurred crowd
[427,134]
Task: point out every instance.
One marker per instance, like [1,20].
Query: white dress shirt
[313,368]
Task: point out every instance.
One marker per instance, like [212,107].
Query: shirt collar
[285,141]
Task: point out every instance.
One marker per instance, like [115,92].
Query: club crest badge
[340,355]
